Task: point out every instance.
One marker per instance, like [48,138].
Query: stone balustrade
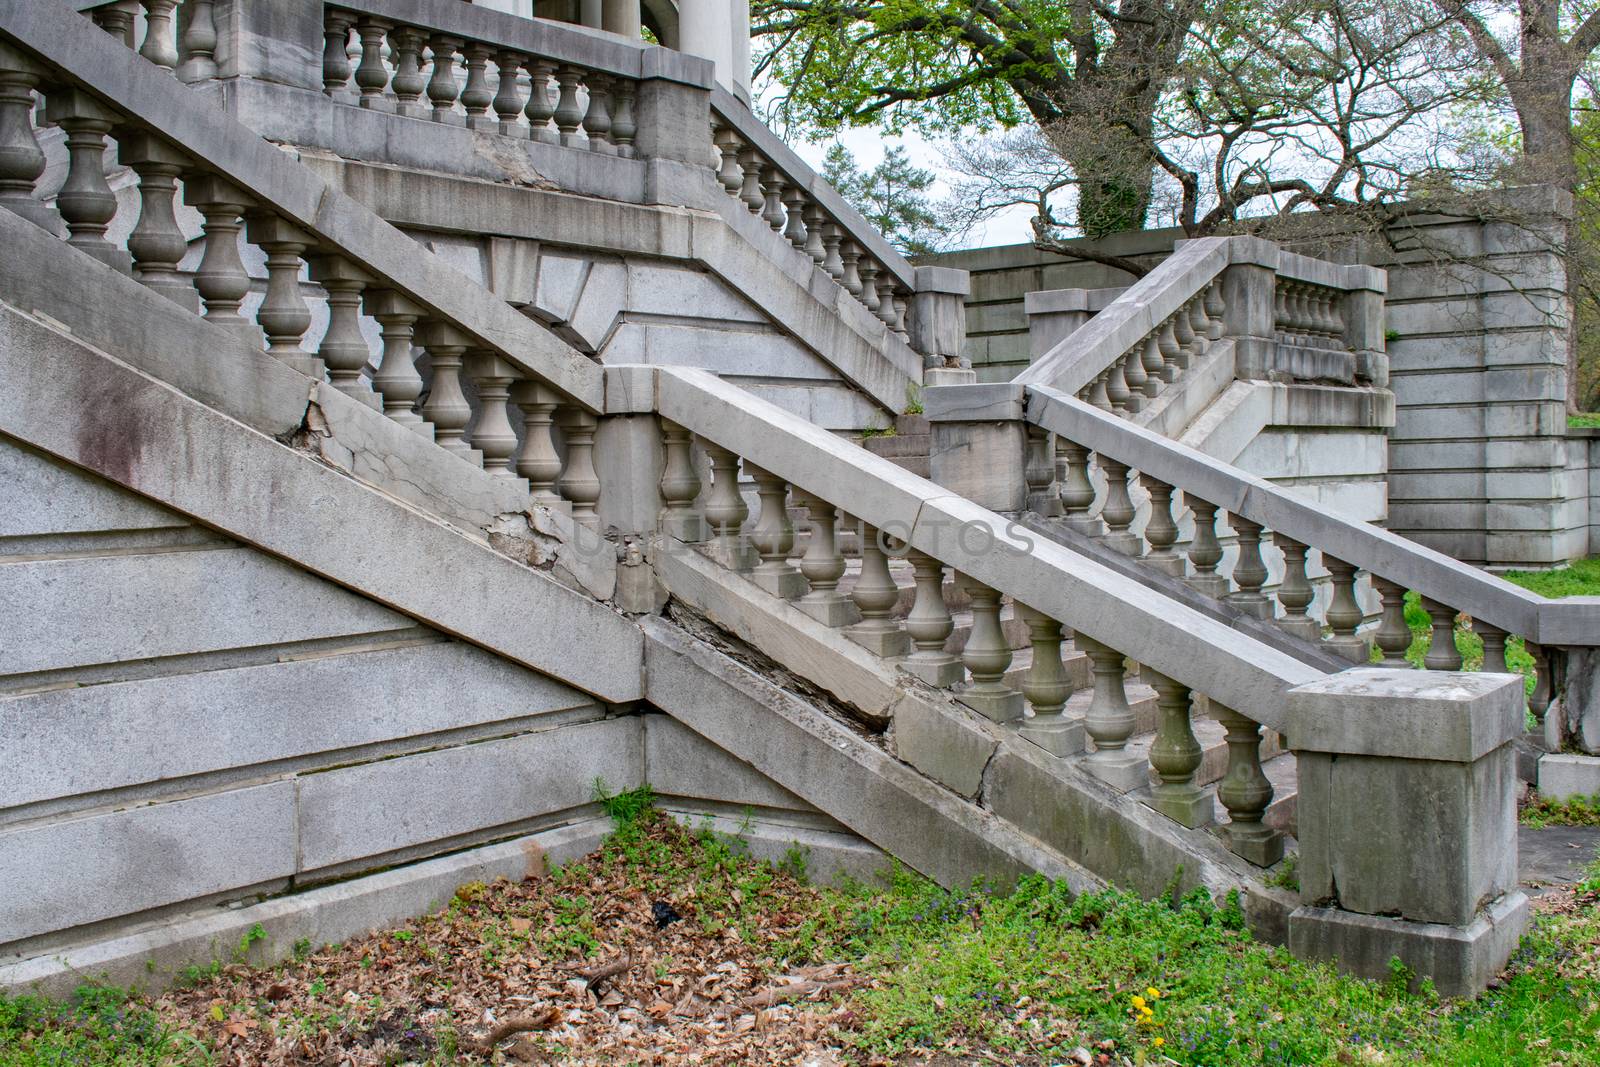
[449,382]
[179,36]
[759,171]
[963,558]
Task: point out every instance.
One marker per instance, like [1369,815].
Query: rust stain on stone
[111,438]
[537,863]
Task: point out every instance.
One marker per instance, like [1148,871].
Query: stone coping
[138,90]
[1449,716]
[1051,301]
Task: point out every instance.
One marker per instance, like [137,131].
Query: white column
[622,17]
[589,13]
[739,42]
[704,29]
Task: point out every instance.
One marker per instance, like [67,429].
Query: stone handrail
[1256,507]
[567,85]
[1287,315]
[758,170]
[94,86]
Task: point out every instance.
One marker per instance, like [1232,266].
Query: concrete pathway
[1555,855]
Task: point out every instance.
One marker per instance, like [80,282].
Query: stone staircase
[907,447]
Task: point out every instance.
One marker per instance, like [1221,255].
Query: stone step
[913,426]
[899,445]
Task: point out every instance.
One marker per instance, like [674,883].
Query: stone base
[1214,586]
[1173,566]
[1261,845]
[1059,735]
[786,582]
[1122,771]
[1354,649]
[1188,806]
[996,707]
[1460,960]
[690,529]
[885,644]
[740,557]
[1129,544]
[1303,628]
[1562,776]
[1086,525]
[1253,604]
[831,609]
[948,376]
[940,669]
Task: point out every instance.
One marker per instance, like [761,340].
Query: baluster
[727,511]
[446,406]
[831,261]
[814,246]
[1442,652]
[1393,636]
[397,380]
[987,656]
[1216,309]
[875,596]
[1159,529]
[1167,344]
[1118,511]
[773,536]
[1133,374]
[117,19]
[1204,550]
[890,312]
[1200,325]
[930,625]
[1110,720]
[22,161]
[1246,792]
[580,483]
[1151,363]
[284,314]
[850,255]
[1543,693]
[1344,615]
[623,125]
[159,45]
[199,43]
[794,203]
[1039,471]
[823,566]
[1077,490]
[731,175]
[476,97]
[1047,688]
[442,86]
[372,77]
[1249,569]
[1280,311]
[86,201]
[221,276]
[750,192]
[492,433]
[408,82]
[868,271]
[1176,756]
[1494,647]
[1117,388]
[344,350]
[597,119]
[538,461]
[1295,592]
[1098,394]
[157,243]
[680,486]
[1183,333]
[540,110]
[772,186]
[335,55]
[568,115]
[507,101]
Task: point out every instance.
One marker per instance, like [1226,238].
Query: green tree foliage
[895,196]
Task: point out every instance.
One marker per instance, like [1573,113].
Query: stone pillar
[939,324]
[1249,316]
[621,17]
[979,443]
[705,29]
[1363,323]
[739,48]
[672,108]
[278,42]
[1408,823]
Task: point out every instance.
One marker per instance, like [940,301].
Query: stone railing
[1099,456]
[365,269]
[177,35]
[1271,314]
[764,174]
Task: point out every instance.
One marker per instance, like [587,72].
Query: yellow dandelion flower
[1158,1042]
[1138,1002]
[1153,993]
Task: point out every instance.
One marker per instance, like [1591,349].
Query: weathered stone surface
[1563,776]
[66,874]
[680,763]
[356,813]
[41,496]
[947,744]
[1449,716]
[175,726]
[1459,960]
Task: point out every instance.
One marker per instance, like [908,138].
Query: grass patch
[896,972]
[1468,644]
[1580,579]
[1584,420]
[1574,811]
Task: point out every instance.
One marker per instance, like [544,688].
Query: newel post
[1249,283]
[672,110]
[938,324]
[1408,823]
[979,445]
[1365,288]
